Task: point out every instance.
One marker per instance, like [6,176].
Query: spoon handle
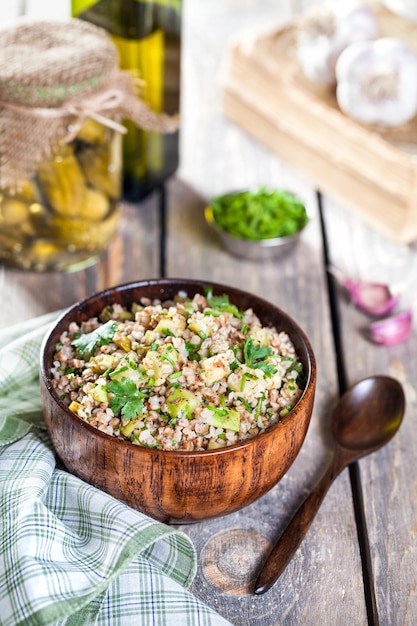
[294,533]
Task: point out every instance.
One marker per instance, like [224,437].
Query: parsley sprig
[127,399]
[256,357]
[222,303]
[101,336]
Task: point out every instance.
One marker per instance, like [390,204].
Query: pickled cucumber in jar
[68,213]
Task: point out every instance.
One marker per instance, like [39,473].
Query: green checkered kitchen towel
[70,554]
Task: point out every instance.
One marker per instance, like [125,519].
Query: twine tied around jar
[54,75]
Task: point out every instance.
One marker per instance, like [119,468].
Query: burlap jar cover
[53,75]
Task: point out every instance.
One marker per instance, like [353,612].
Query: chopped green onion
[215,409]
[174,375]
[166,357]
[259,406]
[246,404]
[261,213]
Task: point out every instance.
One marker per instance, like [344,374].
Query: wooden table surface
[329,581]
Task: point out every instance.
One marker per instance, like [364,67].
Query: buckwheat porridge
[186,374]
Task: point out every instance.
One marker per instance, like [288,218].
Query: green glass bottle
[148,38]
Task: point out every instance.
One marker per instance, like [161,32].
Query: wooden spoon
[367,416]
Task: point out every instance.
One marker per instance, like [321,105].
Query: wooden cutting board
[370,170]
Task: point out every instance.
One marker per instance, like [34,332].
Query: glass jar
[147,34]
[63,95]
[67,213]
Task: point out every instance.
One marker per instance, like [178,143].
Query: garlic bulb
[377,82]
[326,31]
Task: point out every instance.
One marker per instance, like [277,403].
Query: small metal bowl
[254,250]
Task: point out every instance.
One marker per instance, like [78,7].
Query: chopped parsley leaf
[86,343]
[127,400]
[255,357]
[222,303]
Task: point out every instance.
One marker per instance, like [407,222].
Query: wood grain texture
[367,416]
[388,476]
[296,283]
[219,157]
[179,486]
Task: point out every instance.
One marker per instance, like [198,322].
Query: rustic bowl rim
[71,312]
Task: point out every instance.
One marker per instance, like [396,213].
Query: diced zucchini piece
[182,403]
[149,337]
[123,342]
[158,364]
[229,421]
[260,335]
[75,407]
[202,327]
[126,371]
[243,382]
[215,368]
[128,429]
[152,365]
[215,445]
[169,354]
[173,326]
[103,362]
[99,394]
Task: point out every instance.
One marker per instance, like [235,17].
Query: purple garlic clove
[391,330]
[375,299]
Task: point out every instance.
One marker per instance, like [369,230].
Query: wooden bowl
[177,486]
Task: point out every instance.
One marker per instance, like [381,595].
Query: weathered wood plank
[296,284]
[388,476]
[217,157]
